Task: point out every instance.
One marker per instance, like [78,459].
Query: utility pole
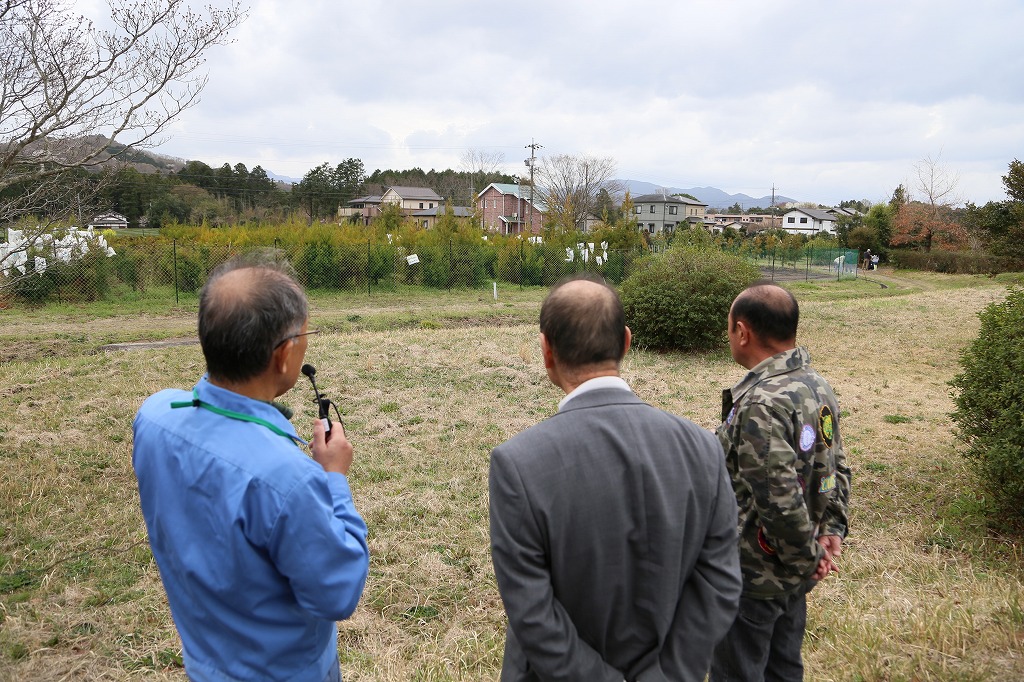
[519,204]
[533,147]
[773,204]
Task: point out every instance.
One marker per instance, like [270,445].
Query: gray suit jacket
[613,536]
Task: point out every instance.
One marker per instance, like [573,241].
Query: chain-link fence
[807,263]
[174,271]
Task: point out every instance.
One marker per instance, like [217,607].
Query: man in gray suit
[613,523]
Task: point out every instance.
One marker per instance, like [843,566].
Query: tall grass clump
[988,393]
[679,300]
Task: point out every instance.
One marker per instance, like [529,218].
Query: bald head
[583,322]
[769,311]
[245,310]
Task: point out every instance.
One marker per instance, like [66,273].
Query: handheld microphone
[323,404]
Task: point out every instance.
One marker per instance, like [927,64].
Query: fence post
[174,247]
[367,266]
[773,263]
[522,262]
[451,266]
[807,264]
[53,243]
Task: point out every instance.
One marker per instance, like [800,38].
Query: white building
[808,221]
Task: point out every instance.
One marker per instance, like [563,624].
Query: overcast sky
[824,99]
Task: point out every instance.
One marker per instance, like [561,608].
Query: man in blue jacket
[259,547]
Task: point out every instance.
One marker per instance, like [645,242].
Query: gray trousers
[763,644]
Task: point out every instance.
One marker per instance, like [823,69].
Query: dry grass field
[427,388]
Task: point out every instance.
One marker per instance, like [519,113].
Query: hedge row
[955,262]
[321,262]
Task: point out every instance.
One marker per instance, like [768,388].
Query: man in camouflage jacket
[784,452]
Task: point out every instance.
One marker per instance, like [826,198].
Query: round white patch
[807,437]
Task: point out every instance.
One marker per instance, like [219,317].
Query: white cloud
[827,101]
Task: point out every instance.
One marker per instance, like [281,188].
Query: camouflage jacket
[785,455]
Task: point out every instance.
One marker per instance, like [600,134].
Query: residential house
[717,227]
[109,221]
[662,213]
[507,209]
[745,222]
[839,212]
[808,221]
[360,210]
[427,218]
[591,222]
[411,199]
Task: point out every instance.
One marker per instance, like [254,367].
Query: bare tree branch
[937,184]
[570,185]
[70,91]
[929,221]
[481,165]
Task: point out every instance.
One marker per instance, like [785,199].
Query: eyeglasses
[295,336]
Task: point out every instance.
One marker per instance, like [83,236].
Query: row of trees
[67,81]
[930,219]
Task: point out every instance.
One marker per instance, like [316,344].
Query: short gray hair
[239,330]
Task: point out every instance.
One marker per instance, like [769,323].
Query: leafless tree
[481,165]
[929,220]
[481,161]
[570,185]
[936,183]
[74,96]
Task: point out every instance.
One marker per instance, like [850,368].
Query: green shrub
[88,278]
[34,288]
[317,265]
[955,262]
[182,269]
[131,269]
[988,394]
[680,299]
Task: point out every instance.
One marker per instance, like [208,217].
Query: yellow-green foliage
[454,252]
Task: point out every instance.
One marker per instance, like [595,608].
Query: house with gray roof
[109,221]
[656,213]
[808,221]
[428,217]
[360,210]
[411,199]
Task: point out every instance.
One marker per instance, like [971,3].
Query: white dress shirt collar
[593,385]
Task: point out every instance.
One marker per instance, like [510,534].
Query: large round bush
[988,394]
[680,299]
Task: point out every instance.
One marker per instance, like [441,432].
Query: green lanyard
[196,402]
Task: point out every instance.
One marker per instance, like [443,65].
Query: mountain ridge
[149,161]
[712,196]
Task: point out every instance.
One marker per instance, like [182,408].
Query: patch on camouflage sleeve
[828,484]
[762,540]
[807,437]
[825,425]
[732,413]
